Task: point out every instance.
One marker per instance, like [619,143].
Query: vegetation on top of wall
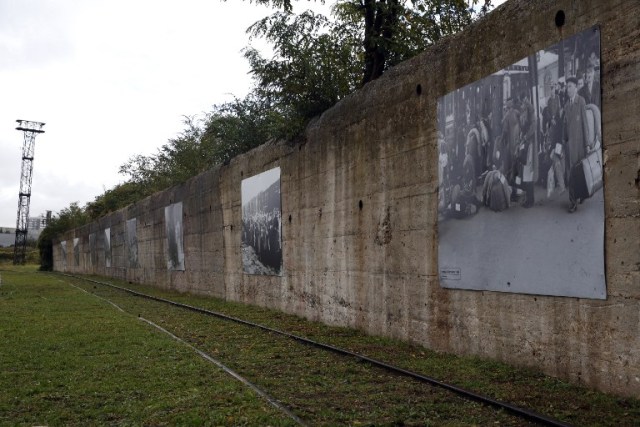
[67,219]
[317,61]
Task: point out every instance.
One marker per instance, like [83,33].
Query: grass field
[69,358]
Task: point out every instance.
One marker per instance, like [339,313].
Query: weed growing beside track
[68,358]
[322,388]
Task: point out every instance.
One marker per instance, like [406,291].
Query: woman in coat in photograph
[510,140]
[574,135]
[529,147]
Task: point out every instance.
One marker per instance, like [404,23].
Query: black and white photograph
[93,254]
[173,226]
[132,242]
[107,247]
[76,251]
[261,224]
[520,188]
[63,251]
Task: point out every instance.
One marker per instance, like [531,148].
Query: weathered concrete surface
[359,209]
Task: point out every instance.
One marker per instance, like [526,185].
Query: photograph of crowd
[173,227]
[520,199]
[261,224]
[107,247]
[76,251]
[132,242]
[63,251]
[93,254]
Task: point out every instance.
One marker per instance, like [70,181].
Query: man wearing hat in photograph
[591,89]
[575,134]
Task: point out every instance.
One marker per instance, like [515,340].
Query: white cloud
[111,78]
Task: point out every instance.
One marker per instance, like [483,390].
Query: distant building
[7,239]
[39,222]
[36,225]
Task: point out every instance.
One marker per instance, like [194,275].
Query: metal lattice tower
[30,130]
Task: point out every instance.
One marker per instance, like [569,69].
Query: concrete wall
[359,210]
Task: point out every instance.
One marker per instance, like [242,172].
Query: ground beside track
[71,353]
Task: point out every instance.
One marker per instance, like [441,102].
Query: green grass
[72,358]
[320,387]
[68,358]
[32,255]
[524,387]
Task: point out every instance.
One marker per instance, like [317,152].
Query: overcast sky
[111,79]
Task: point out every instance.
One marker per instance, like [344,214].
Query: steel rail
[468,394]
[271,400]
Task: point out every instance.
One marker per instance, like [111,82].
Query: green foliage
[236,127]
[116,198]
[364,38]
[70,359]
[66,329]
[229,129]
[176,161]
[316,62]
[31,255]
[67,219]
[395,30]
[6,255]
[285,5]
[314,65]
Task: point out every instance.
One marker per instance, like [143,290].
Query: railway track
[308,379]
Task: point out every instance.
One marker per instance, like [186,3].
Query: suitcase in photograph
[586,176]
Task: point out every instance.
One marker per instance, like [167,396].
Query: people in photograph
[474,147]
[593,60]
[562,92]
[461,138]
[464,201]
[552,130]
[591,89]
[444,169]
[528,150]
[510,139]
[469,171]
[574,134]
[484,128]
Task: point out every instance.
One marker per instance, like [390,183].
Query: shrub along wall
[359,213]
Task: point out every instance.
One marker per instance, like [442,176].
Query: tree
[175,162]
[229,129]
[67,219]
[314,66]
[317,61]
[111,200]
[236,127]
[387,31]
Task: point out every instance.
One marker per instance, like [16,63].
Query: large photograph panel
[107,247]
[520,198]
[173,227]
[261,224]
[63,252]
[132,242]
[76,251]
[93,254]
